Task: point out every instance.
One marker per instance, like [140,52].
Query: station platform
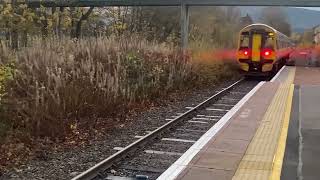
[272,133]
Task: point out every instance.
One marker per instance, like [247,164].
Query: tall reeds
[56,83]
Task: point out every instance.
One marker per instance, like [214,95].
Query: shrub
[57,83]
[6,69]
[55,86]
[212,66]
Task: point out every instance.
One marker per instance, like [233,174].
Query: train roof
[263,25]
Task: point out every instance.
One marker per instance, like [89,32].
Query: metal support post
[184,26]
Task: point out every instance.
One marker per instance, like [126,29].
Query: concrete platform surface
[310,132]
[222,155]
[273,133]
[302,159]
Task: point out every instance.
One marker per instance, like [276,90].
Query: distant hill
[300,19]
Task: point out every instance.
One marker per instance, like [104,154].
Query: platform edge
[278,74]
[175,169]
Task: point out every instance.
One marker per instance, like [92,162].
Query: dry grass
[56,84]
[212,66]
[63,89]
[5,75]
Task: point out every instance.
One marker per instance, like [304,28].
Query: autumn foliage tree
[19,23]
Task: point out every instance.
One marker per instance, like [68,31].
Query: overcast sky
[313,8]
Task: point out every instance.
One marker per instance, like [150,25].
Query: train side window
[280,45]
[244,41]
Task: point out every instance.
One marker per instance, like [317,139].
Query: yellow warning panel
[256,47]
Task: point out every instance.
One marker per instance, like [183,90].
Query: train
[262,50]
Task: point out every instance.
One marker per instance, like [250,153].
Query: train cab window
[269,43]
[244,41]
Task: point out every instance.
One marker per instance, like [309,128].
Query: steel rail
[107,163]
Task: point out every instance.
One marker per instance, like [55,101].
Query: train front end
[257,50]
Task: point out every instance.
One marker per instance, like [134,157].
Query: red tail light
[267,53]
[244,52]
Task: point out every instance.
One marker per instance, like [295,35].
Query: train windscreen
[269,42]
[244,41]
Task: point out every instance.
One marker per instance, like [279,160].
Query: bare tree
[277,18]
[83,17]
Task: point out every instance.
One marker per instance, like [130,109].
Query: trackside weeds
[59,89]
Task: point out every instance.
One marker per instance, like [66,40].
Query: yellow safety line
[279,155]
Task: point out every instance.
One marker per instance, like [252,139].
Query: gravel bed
[178,147]
[65,164]
[163,154]
[190,136]
[153,163]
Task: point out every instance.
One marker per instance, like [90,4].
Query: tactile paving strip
[259,158]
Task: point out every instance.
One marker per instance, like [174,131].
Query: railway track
[153,152]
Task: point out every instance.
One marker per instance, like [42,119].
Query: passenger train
[262,50]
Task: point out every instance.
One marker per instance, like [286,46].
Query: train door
[256,47]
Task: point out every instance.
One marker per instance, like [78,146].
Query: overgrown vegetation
[64,69]
[55,84]
[71,63]
[57,88]
[6,69]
